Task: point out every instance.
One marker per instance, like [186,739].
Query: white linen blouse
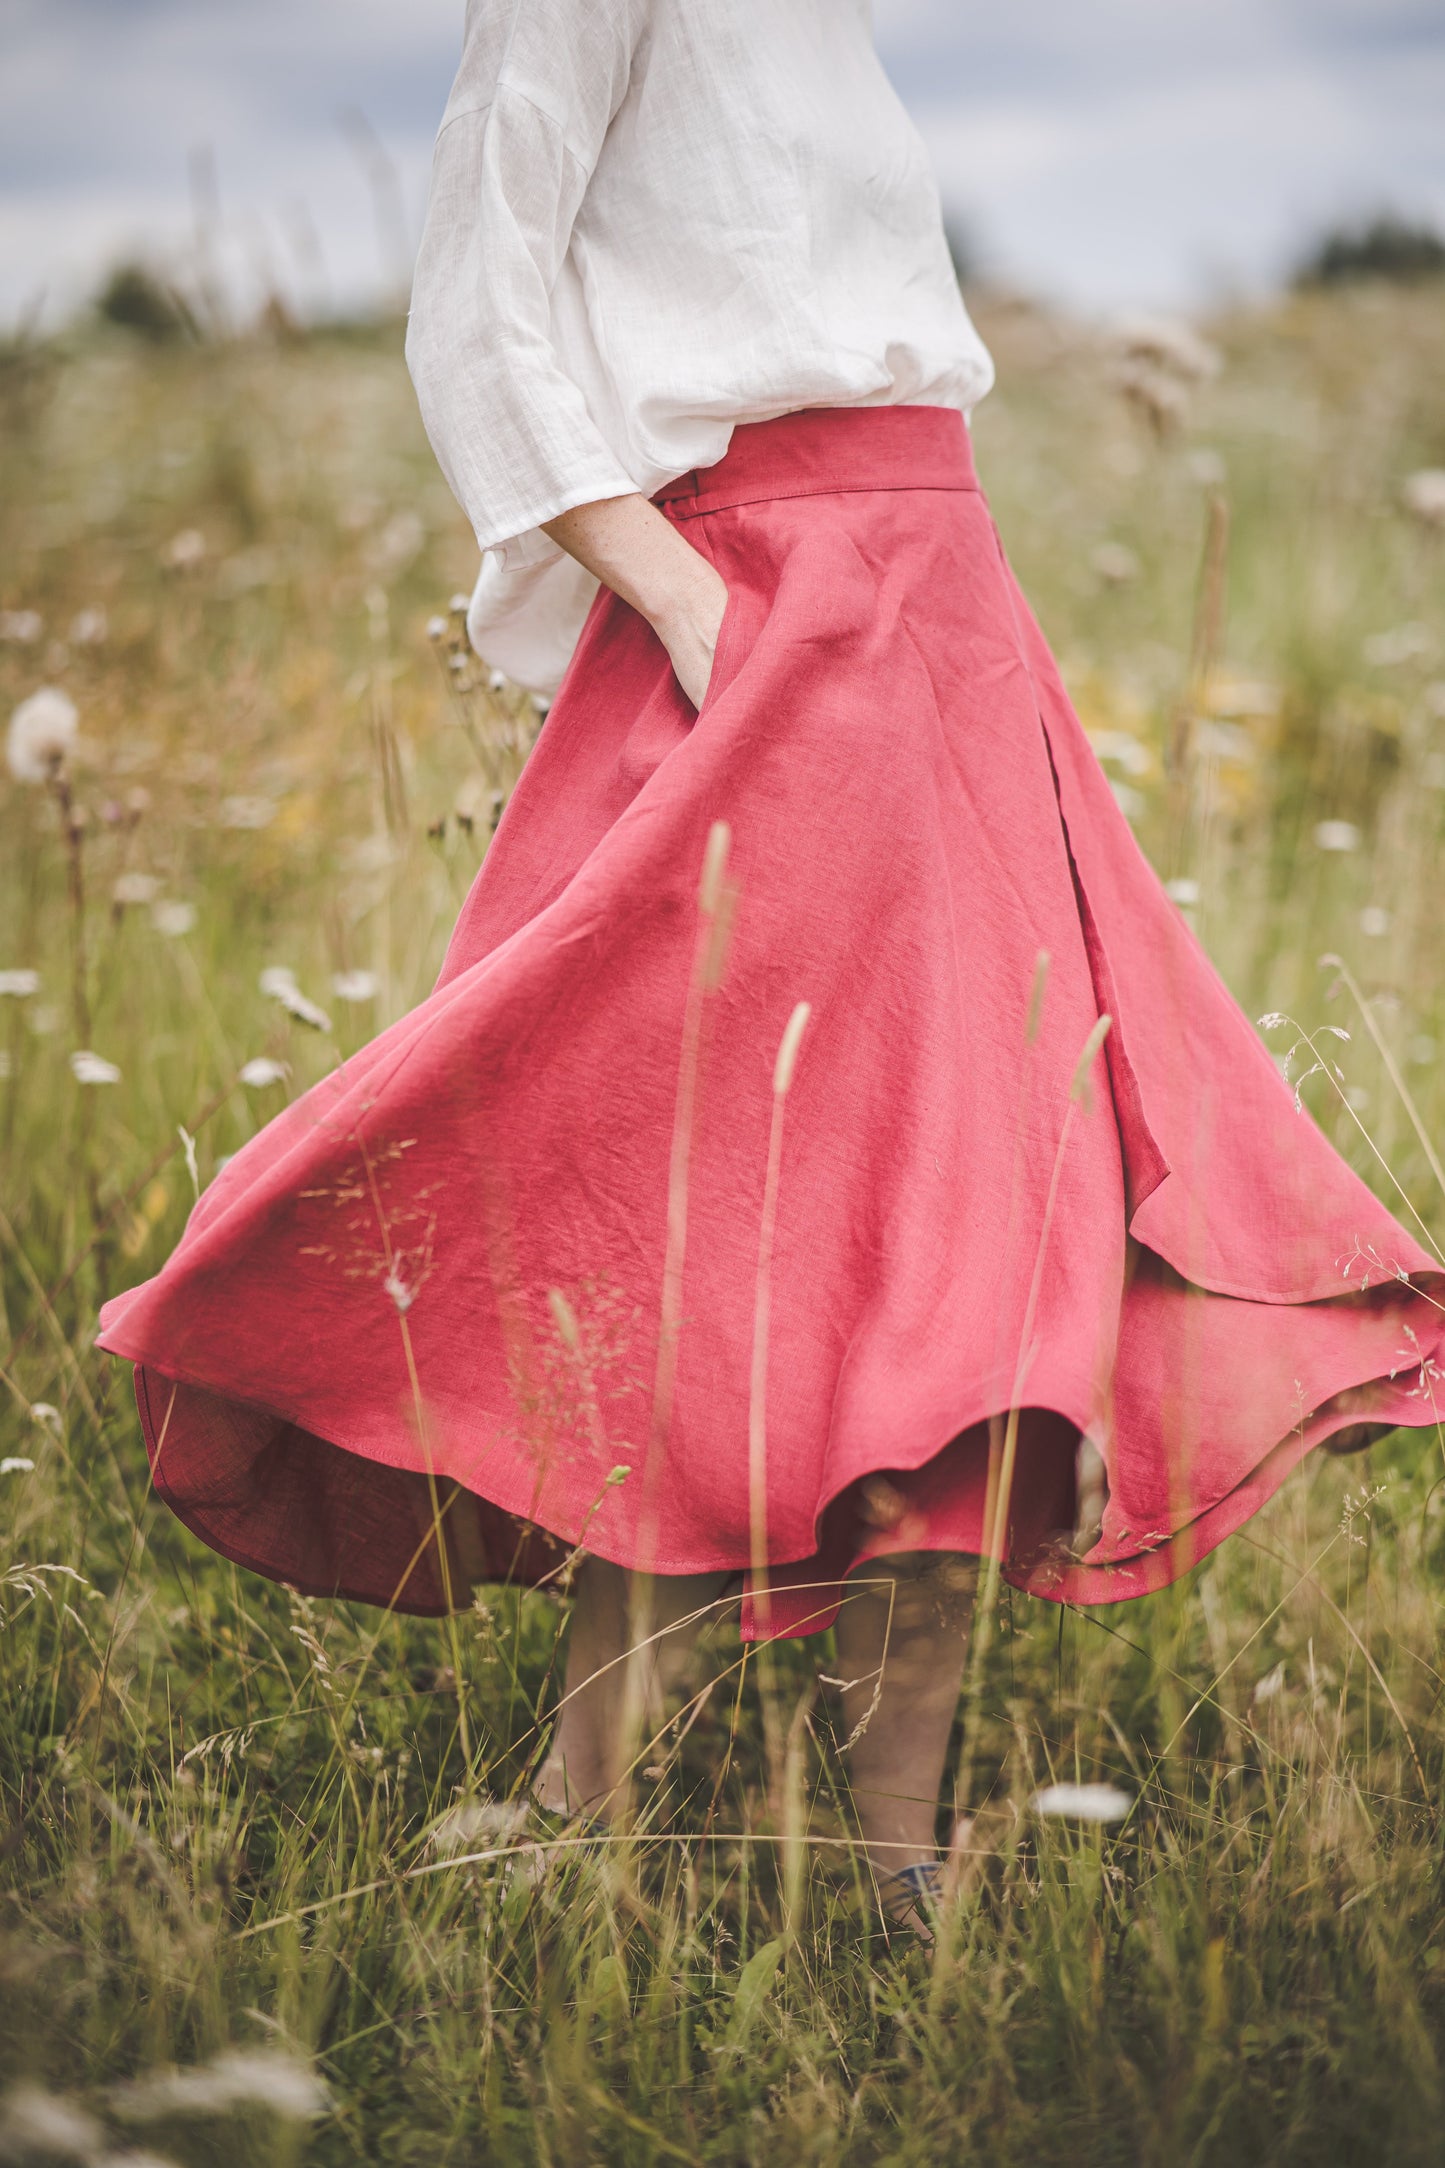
[650,220]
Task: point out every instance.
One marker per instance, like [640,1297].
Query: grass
[237,1823]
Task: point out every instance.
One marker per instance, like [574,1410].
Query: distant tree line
[1399,250]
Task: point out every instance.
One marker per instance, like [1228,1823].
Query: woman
[823,1122]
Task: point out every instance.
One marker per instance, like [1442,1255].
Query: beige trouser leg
[628,1633]
[902,1632]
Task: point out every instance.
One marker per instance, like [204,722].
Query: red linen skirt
[560,1237]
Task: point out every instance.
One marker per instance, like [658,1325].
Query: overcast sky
[1108,153]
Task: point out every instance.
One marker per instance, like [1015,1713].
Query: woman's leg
[902,1633]
[628,1633]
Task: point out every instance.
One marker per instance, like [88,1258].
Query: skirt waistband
[823,450]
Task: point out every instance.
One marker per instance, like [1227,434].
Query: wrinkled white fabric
[650,220]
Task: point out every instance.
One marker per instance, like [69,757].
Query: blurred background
[1115,155]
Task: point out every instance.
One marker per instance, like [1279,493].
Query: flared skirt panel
[557,1238]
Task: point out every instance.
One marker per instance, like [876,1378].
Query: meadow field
[266,1892]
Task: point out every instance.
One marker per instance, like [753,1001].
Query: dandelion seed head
[1400,644]
[1100,1803]
[238,2078]
[262,1070]
[1423,494]
[130,888]
[247,812]
[33,2121]
[402,1296]
[43,732]
[90,1068]
[172,918]
[1168,343]
[1115,563]
[477,1822]
[184,551]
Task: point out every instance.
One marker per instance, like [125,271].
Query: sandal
[911,1895]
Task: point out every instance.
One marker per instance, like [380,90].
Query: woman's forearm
[640,555]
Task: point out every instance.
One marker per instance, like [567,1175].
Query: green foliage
[239,1832]
[1395,249]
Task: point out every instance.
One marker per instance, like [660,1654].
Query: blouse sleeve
[538,85]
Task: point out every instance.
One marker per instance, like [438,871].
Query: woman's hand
[640,555]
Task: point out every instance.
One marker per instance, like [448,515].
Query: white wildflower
[184,551]
[1337,836]
[48,1417]
[1374,921]
[89,1068]
[16,1464]
[1183,890]
[497,681]
[263,1071]
[1082,1802]
[43,730]
[21,984]
[541,705]
[34,2122]
[1424,495]
[460,604]
[235,2079]
[276,980]
[23,627]
[135,888]
[173,919]
[1131,802]
[1115,563]
[247,811]
[355,986]
[436,628]
[88,628]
